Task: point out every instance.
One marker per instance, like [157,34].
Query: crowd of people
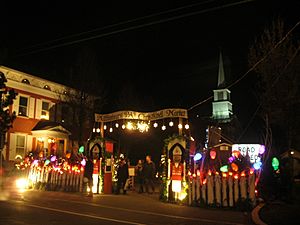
[145,176]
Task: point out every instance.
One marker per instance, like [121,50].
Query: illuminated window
[23,106]
[20,145]
[47,87]
[45,110]
[25,81]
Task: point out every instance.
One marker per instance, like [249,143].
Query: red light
[230,173]
[236,176]
[251,171]
[204,181]
[243,174]
[224,174]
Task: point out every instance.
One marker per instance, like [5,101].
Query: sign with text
[146,116]
[252,150]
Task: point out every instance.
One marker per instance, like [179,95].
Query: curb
[255,215]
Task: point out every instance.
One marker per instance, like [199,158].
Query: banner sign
[146,116]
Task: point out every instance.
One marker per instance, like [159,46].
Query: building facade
[39,126]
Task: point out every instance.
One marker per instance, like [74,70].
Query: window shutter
[38,109]
[31,107]
[15,106]
[28,147]
[12,146]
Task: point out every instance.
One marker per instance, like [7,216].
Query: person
[140,175]
[149,174]
[88,176]
[122,176]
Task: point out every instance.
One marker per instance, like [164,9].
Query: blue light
[257,165]
[197,157]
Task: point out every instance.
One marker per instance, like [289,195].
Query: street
[40,207]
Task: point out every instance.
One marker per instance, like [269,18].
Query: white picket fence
[221,191]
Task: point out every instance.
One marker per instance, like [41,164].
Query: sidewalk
[278,212]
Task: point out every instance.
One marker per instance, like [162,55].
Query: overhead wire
[252,67]
[136,27]
[118,24]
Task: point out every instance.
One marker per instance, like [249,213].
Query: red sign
[109,147]
[176,172]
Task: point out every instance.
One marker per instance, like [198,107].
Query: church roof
[221,73]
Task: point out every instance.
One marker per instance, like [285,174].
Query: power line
[118,24]
[254,66]
[137,27]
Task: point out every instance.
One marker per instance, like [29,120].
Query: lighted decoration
[262,149]
[117,125]
[155,125]
[129,126]
[123,126]
[186,126]
[142,127]
[234,167]
[257,165]
[47,162]
[81,149]
[110,129]
[94,130]
[171,124]
[224,168]
[41,154]
[53,158]
[98,130]
[163,127]
[198,156]
[231,159]
[104,127]
[83,162]
[180,126]
[275,163]
[68,155]
[212,154]
[235,154]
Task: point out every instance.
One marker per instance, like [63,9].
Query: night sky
[169,64]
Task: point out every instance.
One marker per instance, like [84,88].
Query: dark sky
[169,64]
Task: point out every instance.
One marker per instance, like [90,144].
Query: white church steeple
[222,107]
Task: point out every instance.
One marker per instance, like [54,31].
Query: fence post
[218,189]
[230,188]
[236,188]
[210,189]
[224,190]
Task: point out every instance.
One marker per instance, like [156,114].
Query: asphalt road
[43,208]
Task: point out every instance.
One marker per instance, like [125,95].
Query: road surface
[43,208]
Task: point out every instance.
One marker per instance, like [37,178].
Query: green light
[47,162]
[81,149]
[224,168]
[275,163]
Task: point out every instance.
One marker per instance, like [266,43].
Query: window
[20,145]
[25,81]
[47,87]
[45,110]
[23,106]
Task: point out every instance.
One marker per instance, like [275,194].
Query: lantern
[212,154]
[234,167]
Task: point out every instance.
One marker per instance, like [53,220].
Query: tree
[278,81]
[86,96]
[7,97]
